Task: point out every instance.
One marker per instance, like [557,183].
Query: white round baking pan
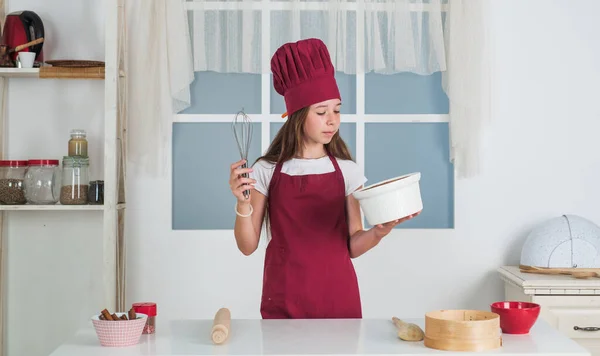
[391,199]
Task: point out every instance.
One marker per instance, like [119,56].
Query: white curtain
[467,81]
[159,71]
[400,35]
[404,36]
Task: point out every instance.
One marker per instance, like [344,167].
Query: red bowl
[516,317]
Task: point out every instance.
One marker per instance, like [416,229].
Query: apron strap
[338,172]
[334,162]
[276,173]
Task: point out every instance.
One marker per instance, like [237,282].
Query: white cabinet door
[576,316]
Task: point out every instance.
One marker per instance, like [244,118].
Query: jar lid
[145,308]
[43,162]
[77,132]
[12,164]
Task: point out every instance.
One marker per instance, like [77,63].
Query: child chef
[302,189]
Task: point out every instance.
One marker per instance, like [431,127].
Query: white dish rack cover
[567,241]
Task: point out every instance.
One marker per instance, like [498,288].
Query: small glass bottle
[150,310]
[75,181]
[78,145]
[96,192]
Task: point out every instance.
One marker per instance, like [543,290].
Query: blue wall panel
[395,149]
[202,154]
[405,93]
[224,93]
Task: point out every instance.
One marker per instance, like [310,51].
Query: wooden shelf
[56,207]
[48,72]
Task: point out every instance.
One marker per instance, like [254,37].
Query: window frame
[265,118]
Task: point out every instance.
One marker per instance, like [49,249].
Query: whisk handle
[245,175]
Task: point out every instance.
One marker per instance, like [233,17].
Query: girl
[304,185]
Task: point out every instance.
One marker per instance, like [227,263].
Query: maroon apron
[308,272]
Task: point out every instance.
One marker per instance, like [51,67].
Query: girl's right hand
[239,184]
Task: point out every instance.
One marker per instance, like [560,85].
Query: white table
[306,337]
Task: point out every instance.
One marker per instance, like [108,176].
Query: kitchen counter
[305,337]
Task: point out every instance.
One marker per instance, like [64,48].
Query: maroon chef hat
[303,74]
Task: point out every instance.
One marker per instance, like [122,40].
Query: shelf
[56,207]
[48,72]
[20,72]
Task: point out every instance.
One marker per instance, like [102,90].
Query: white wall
[546,76]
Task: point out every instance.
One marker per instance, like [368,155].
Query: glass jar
[12,175]
[74,189]
[42,181]
[150,310]
[78,145]
[96,192]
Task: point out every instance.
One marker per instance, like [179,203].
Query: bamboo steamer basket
[462,330]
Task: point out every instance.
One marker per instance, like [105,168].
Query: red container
[516,317]
[150,310]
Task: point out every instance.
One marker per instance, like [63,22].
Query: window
[393,123]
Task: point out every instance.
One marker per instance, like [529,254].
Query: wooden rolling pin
[221,326]
[408,331]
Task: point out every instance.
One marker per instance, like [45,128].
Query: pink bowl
[516,317]
[119,333]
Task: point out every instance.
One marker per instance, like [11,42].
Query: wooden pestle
[408,331]
[221,326]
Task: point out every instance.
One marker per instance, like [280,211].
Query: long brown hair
[288,142]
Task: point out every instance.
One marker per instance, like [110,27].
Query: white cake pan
[391,199]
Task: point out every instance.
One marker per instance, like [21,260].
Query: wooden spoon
[28,44]
[408,331]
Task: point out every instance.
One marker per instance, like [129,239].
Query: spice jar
[42,181]
[12,174]
[74,189]
[78,145]
[150,310]
[96,192]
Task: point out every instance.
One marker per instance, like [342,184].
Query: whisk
[242,131]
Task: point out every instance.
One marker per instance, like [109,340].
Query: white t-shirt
[263,171]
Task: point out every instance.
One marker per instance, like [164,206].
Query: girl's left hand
[382,230]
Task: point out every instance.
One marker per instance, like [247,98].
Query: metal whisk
[242,131]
